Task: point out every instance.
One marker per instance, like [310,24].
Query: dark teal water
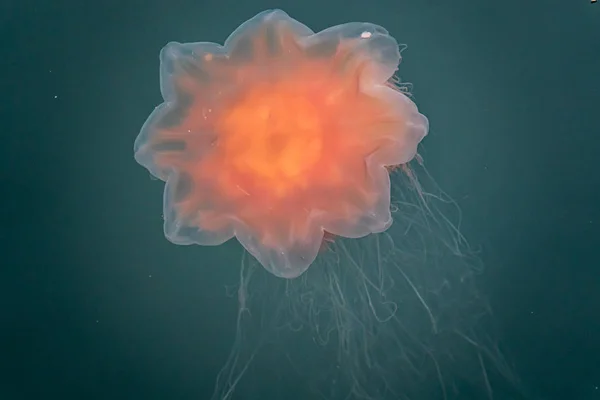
[98,305]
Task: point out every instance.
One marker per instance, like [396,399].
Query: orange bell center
[274,134]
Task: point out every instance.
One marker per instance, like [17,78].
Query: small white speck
[366,35]
[96,321]
[242,190]
[56,96]
[149,276]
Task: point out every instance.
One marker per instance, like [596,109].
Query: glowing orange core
[275,134]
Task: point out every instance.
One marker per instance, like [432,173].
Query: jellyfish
[303,146]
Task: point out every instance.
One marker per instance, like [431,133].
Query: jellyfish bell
[279,136]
